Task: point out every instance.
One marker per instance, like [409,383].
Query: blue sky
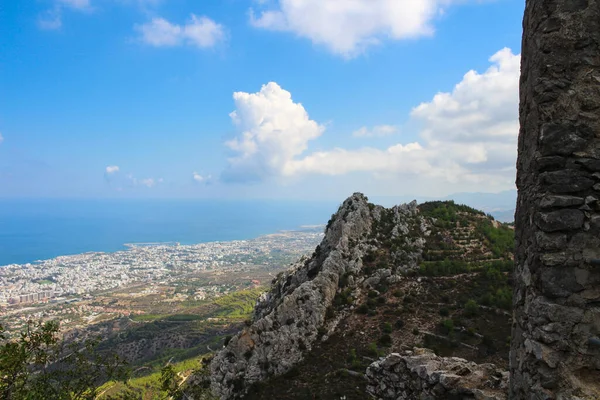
[306,99]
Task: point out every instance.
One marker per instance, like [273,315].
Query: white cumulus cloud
[480,116]
[273,130]
[198,31]
[468,136]
[111,169]
[376,131]
[348,27]
[1,138]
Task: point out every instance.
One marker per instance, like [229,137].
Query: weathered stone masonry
[555,350]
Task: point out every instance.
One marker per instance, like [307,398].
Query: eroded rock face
[555,350]
[420,374]
[289,318]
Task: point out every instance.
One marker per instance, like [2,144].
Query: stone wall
[555,347]
[420,374]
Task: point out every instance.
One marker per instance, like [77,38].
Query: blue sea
[33,230]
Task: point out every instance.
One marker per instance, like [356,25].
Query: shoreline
[133,245]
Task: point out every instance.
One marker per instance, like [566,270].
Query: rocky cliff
[366,251]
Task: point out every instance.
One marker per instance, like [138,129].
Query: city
[71,288]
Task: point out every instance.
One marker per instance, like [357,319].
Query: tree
[169,381]
[39,365]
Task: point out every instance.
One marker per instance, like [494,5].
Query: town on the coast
[41,288]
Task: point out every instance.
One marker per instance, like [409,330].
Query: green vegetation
[449,267]
[387,327]
[354,361]
[447,213]
[471,308]
[39,365]
[238,305]
[501,240]
[448,326]
[165,383]
[44,282]
[147,317]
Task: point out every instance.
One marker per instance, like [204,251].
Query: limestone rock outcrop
[288,319]
[420,374]
[291,317]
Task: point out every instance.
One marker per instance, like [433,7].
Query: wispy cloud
[201,178]
[148,182]
[1,138]
[111,169]
[76,4]
[376,131]
[51,19]
[200,32]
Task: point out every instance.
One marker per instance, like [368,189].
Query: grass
[148,384]
[238,305]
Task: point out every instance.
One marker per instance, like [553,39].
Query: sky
[278,99]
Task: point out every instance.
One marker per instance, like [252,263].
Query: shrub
[362,309]
[447,326]
[385,340]
[382,288]
[399,324]
[372,349]
[415,331]
[352,356]
[387,327]
[471,308]
[381,300]
[444,312]
[397,293]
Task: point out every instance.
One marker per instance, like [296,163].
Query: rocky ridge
[291,317]
[366,249]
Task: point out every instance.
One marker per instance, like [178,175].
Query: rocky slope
[421,374]
[366,251]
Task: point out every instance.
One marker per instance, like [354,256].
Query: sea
[32,230]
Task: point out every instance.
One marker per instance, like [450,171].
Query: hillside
[382,280]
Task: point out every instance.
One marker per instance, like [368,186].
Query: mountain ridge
[366,249]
